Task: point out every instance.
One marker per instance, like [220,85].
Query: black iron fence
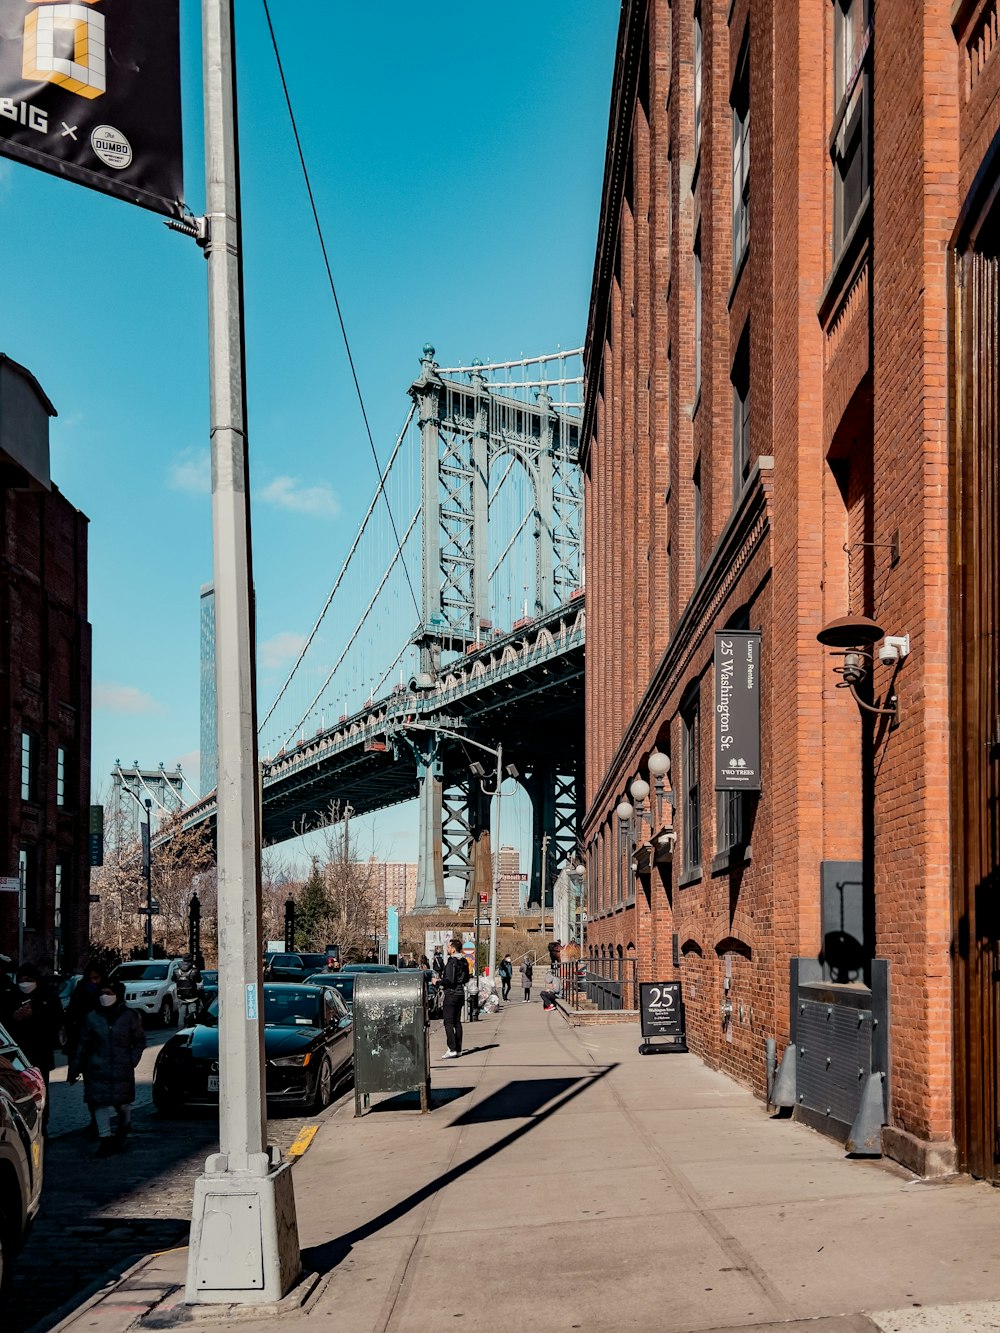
[609,981]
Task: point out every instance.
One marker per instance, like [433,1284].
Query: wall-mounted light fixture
[853,638]
[659,846]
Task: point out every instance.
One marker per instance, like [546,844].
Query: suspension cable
[333,289]
[343,569]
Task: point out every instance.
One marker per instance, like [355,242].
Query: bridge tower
[465,428]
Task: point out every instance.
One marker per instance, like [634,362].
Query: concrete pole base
[244,1247]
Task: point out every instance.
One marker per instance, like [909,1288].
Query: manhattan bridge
[459,618]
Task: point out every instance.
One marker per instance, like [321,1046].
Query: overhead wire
[333,287]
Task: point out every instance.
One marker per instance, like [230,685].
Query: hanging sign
[737,710]
[90,90]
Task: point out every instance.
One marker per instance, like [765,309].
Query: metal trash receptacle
[391,1043]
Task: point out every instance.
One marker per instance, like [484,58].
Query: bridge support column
[480,847]
[556,811]
[430,860]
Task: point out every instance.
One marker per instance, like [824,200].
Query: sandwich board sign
[661,1015]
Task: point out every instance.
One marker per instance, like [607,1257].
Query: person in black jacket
[453,981]
[109,1048]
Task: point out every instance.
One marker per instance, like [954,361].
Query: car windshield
[334,981]
[285,1007]
[141,972]
[369,967]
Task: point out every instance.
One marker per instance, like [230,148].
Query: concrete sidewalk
[565,1182]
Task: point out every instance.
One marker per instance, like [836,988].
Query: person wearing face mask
[82,1002]
[110,1046]
[33,1019]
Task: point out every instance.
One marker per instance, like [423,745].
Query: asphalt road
[100,1216]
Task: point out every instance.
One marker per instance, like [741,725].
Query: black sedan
[308,1048]
[341,982]
[22,1104]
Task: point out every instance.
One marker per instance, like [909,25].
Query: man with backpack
[453,981]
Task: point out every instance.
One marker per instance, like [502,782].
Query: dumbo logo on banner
[90,90]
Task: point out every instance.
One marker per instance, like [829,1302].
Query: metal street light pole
[244,1239]
[545,848]
[496,872]
[147,870]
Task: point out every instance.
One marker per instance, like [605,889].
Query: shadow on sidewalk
[321,1258]
[515,1100]
[410,1101]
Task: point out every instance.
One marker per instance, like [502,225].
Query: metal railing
[608,982]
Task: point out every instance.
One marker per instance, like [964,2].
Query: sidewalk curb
[110,1280]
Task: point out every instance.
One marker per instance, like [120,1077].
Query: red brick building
[776,325]
[44,689]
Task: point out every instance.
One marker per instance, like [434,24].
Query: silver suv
[151,987]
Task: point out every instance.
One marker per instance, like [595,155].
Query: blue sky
[456,153]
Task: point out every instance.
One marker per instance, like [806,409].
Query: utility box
[391,1036]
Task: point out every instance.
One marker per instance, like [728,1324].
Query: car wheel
[323,1095]
[167,1012]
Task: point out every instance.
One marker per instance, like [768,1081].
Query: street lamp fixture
[853,638]
[632,814]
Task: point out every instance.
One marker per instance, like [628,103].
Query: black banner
[90,90]
[737,710]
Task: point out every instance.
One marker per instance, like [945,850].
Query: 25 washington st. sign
[90,90]
[737,710]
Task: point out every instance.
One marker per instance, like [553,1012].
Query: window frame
[698,315]
[850,135]
[691,760]
[696,526]
[698,89]
[29,766]
[62,769]
[739,101]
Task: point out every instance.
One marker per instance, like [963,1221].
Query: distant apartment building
[510,887]
[45,684]
[209,754]
[395,885]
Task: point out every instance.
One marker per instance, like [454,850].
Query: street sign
[154,908]
[10,884]
[484,898]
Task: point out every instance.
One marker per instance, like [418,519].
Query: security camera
[894,646]
[888,654]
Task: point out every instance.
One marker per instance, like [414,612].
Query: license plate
[213,1083]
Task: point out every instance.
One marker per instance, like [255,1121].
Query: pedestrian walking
[34,1018]
[437,962]
[506,970]
[453,982]
[189,989]
[110,1046]
[82,1002]
[526,972]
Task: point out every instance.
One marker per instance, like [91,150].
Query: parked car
[151,987]
[22,1105]
[308,1048]
[292,966]
[66,987]
[341,982]
[369,967]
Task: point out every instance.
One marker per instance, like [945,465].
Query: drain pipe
[771,1061]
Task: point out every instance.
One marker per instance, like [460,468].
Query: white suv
[151,987]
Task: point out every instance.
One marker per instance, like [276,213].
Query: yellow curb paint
[306,1135]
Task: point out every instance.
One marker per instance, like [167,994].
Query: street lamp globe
[658,764]
[639,790]
[624,811]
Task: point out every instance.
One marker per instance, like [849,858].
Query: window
[29,887]
[740,102]
[691,723]
[741,414]
[61,775]
[697,315]
[850,138]
[696,481]
[29,766]
[730,835]
[697,80]
[60,883]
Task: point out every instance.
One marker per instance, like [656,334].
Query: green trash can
[391,1036]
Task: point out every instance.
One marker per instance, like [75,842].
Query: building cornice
[624,92]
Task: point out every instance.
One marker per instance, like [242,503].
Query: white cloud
[281,649]
[124,699]
[286,493]
[191,471]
